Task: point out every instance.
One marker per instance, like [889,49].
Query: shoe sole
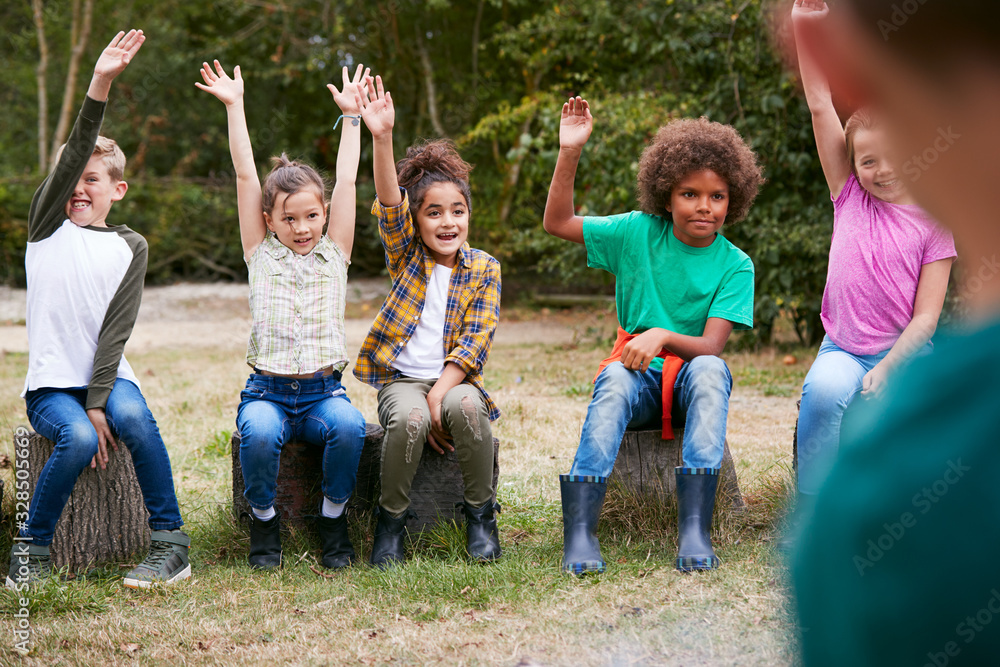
[142,583]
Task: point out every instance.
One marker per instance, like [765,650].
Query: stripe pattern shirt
[297,308]
[471,314]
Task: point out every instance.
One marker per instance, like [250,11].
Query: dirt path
[210,315]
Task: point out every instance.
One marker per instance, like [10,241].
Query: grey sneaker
[166,562]
[29,565]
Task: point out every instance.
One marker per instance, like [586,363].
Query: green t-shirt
[663,282]
[899,564]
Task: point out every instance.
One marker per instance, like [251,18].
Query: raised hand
[118,54]
[576,123]
[228,89]
[348,98]
[809,10]
[376,107]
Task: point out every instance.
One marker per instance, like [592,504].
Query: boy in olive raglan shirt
[680,289]
[84,287]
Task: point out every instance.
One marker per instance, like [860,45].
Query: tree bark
[428,70]
[38,11]
[645,466]
[79,34]
[105,519]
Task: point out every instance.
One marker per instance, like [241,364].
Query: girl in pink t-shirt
[888,272]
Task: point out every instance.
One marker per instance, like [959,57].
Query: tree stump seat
[105,519]
[645,467]
[437,485]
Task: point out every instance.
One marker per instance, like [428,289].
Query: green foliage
[500,71]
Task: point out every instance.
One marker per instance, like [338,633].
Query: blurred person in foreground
[897,565]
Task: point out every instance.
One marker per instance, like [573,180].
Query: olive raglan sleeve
[48,205]
[118,322]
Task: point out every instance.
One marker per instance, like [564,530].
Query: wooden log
[105,519]
[645,466]
[437,485]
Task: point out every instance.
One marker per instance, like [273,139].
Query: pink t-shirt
[876,255]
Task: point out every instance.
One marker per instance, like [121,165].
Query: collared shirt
[297,307]
[472,312]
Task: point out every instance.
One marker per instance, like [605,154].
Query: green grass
[438,608]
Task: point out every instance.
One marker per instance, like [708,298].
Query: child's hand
[118,54]
[642,349]
[218,83]
[376,107]
[438,437]
[874,382]
[809,10]
[100,423]
[348,98]
[576,123]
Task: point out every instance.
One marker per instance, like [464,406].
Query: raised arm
[560,217]
[828,130]
[379,114]
[229,91]
[343,203]
[932,287]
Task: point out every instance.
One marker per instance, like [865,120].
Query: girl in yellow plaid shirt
[427,347]
[297,262]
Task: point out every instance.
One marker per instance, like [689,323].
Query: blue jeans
[625,398]
[60,416]
[274,410]
[831,384]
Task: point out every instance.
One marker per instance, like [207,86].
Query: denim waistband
[290,385]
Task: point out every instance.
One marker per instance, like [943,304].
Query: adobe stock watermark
[901,13]
[22,496]
[967,629]
[924,501]
[918,164]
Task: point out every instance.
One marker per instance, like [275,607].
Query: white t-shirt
[423,355]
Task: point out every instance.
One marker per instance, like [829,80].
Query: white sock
[264,515]
[332,509]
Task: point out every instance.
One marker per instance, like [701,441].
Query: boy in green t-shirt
[681,289]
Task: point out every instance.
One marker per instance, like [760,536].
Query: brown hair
[433,162]
[862,119]
[110,153]
[289,176]
[687,145]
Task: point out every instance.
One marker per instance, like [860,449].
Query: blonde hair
[862,119]
[110,153]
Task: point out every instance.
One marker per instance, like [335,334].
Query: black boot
[387,547]
[482,535]
[582,499]
[338,552]
[265,542]
[695,502]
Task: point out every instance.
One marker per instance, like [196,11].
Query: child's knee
[464,410]
[710,369]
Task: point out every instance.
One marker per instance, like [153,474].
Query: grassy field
[438,609]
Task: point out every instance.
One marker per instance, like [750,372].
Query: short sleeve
[940,244]
[734,300]
[604,237]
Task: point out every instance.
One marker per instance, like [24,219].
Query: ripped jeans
[275,410]
[406,418]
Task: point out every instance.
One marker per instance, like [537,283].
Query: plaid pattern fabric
[472,311]
[297,308]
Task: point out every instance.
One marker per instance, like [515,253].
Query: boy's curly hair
[687,145]
[433,162]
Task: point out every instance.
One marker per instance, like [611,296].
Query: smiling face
[876,169]
[297,219]
[93,195]
[699,203]
[443,222]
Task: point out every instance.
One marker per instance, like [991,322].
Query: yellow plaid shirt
[471,315]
